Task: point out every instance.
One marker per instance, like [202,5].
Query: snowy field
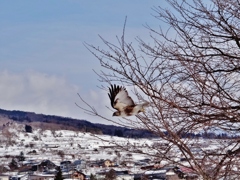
[65,145]
[75,145]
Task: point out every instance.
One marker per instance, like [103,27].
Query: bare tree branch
[190,75]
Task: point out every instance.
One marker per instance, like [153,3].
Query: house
[102,163]
[79,165]
[149,167]
[108,163]
[42,176]
[45,165]
[124,175]
[171,175]
[146,160]
[189,173]
[23,176]
[119,175]
[4,168]
[51,146]
[29,162]
[128,163]
[25,169]
[155,174]
[66,166]
[94,164]
[191,176]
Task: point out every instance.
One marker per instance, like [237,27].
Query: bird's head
[116,113]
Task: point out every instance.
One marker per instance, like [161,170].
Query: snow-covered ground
[65,145]
[75,145]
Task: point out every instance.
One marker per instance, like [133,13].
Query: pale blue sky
[43,63]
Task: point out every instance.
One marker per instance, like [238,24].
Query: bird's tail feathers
[145,104]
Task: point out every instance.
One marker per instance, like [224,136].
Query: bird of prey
[123,103]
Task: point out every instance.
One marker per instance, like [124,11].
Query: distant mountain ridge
[53,122]
[59,122]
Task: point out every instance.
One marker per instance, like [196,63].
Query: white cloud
[48,94]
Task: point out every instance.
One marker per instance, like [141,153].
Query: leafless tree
[54,133]
[190,74]
[9,137]
[61,154]
[110,175]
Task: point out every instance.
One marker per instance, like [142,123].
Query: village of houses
[38,155]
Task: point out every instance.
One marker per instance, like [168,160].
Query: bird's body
[123,103]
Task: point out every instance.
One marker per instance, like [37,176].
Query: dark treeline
[86,126]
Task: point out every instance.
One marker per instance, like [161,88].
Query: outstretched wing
[119,97]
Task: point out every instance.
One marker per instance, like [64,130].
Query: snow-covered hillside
[48,143]
[60,146]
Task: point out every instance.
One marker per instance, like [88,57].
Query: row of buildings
[97,170]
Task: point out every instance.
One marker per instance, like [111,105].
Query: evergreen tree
[93,177]
[118,132]
[28,128]
[59,174]
[13,164]
[21,156]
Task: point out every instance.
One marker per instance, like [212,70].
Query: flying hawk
[123,103]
